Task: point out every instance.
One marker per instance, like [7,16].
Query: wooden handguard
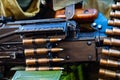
[80,14]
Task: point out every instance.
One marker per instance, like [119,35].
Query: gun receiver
[47,44]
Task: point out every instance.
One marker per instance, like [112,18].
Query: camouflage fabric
[59,4]
[24,4]
[103,6]
[10,8]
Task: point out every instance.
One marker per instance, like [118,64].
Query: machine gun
[36,44]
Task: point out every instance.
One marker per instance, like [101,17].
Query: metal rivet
[67,57]
[89,43]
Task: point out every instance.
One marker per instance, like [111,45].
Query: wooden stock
[80,14]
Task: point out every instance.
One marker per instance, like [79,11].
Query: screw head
[89,43]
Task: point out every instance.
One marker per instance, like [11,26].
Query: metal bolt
[99,26]
[67,57]
[90,57]
[94,24]
[89,43]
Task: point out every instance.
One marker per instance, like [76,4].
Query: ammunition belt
[35,60]
[109,62]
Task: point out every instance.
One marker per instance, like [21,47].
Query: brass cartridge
[111,52]
[109,63]
[114,22]
[116,6]
[42,61]
[100,79]
[40,41]
[109,73]
[31,52]
[114,31]
[111,41]
[43,68]
[115,14]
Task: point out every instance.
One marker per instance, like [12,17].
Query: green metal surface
[37,75]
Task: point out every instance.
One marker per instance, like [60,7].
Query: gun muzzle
[114,31]
[43,68]
[111,52]
[42,61]
[115,14]
[111,41]
[114,22]
[109,73]
[40,41]
[31,52]
[116,6]
[109,63]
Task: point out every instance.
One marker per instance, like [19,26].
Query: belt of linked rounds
[110,60]
[35,61]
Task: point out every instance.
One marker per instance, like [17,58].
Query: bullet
[111,41]
[114,22]
[109,63]
[40,41]
[43,68]
[115,14]
[31,52]
[42,61]
[109,73]
[114,31]
[116,6]
[111,52]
